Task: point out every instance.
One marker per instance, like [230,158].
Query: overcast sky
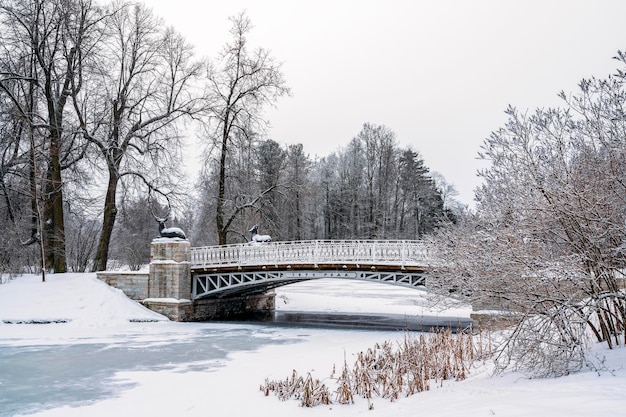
[437,73]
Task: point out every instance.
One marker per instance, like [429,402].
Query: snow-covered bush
[547,239]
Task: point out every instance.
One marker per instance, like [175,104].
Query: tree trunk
[55,224]
[219,216]
[108,222]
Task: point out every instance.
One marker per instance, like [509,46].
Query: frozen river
[74,371]
[100,360]
[81,370]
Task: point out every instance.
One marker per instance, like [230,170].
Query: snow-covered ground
[89,312]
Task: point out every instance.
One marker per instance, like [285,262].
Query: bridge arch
[221,284]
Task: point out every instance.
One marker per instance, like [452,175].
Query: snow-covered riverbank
[91,312]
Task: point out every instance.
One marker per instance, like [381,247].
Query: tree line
[95,102]
[370,189]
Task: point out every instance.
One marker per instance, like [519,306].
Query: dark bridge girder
[234,282]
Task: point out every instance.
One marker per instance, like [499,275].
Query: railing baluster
[399,252]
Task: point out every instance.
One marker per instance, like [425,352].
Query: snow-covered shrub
[547,239]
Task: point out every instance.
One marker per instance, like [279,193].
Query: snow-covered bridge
[234,281]
[227,270]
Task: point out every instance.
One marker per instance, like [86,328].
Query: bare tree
[297,219]
[47,43]
[351,202]
[135,227]
[15,190]
[379,145]
[326,181]
[137,92]
[82,237]
[451,205]
[240,83]
[269,167]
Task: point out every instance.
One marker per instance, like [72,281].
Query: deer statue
[171,232]
[257,238]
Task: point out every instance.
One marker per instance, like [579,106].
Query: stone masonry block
[170,269]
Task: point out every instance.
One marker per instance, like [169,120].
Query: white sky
[437,73]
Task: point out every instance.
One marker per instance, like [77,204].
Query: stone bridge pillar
[169,282]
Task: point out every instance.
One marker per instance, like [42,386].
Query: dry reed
[382,371]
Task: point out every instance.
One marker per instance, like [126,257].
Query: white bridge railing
[314,252]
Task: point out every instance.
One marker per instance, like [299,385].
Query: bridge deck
[307,267]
